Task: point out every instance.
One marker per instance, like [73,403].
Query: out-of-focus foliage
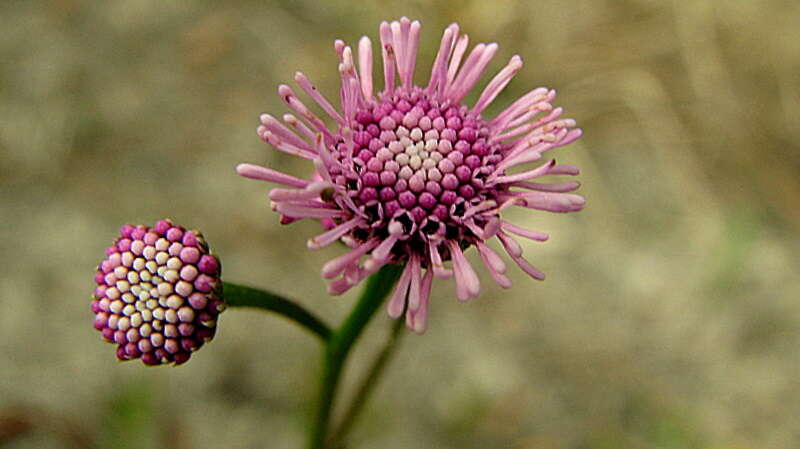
[670,318]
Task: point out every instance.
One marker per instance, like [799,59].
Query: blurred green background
[670,317]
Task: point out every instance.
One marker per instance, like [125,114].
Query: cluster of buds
[158,293]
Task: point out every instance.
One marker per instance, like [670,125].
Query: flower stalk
[242,296]
[338,348]
[368,384]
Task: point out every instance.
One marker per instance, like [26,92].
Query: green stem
[369,383]
[241,296]
[338,347]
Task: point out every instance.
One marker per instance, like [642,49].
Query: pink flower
[411,174]
[158,293]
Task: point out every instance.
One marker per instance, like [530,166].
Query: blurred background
[670,317]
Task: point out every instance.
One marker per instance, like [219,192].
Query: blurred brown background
[670,318]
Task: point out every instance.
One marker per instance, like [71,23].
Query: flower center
[418,155]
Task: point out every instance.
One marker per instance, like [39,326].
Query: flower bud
[158,293]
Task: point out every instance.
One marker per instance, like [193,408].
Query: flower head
[411,174]
[158,293]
